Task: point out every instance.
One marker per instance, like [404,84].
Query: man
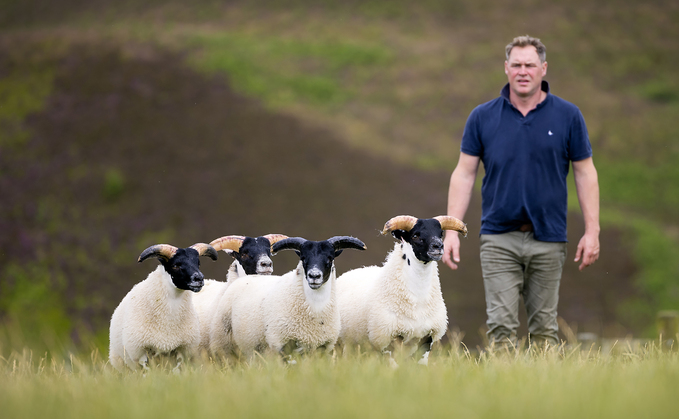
[526,139]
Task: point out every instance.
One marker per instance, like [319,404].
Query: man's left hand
[588,250]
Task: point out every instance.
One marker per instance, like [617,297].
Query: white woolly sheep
[157,316]
[400,301]
[252,256]
[297,310]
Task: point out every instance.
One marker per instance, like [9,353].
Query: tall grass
[394,78]
[552,383]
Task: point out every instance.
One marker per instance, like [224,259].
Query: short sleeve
[579,147]
[471,141]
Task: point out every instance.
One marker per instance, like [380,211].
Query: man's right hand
[451,246]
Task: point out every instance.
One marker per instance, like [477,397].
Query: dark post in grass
[667,322]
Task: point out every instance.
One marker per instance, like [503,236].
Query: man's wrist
[593,230]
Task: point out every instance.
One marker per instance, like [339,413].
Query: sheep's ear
[230,252]
[338,252]
[398,234]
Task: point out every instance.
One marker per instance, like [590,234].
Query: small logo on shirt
[550,132]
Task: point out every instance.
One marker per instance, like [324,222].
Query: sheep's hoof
[392,363]
[424,360]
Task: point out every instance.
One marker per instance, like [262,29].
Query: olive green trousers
[515,266]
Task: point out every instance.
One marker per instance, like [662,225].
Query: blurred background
[125,124]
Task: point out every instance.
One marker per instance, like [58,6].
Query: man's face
[525,71]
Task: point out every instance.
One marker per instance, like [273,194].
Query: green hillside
[124,124]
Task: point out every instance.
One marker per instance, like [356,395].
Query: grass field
[391,79]
[555,384]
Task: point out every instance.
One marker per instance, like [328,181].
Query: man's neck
[528,103]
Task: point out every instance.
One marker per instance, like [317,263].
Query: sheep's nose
[315,275]
[197,276]
[437,245]
[266,263]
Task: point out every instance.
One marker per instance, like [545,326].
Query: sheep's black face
[426,238]
[255,256]
[317,259]
[184,269]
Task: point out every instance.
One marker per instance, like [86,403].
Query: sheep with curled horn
[296,311]
[252,254]
[157,316]
[400,303]
[252,257]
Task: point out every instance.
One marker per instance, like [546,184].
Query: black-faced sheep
[157,316]
[252,256]
[298,309]
[401,301]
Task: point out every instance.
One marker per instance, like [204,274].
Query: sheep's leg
[144,362]
[389,351]
[288,349]
[180,361]
[424,347]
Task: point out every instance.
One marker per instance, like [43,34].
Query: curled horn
[228,243]
[452,223]
[401,222]
[346,242]
[294,243]
[275,238]
[205,249]
[161,251]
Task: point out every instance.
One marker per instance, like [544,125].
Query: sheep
[400,301]
[157,316]
[297,310]
[252,256]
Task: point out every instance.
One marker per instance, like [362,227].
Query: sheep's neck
[417,274]
[170,298]
[319,299]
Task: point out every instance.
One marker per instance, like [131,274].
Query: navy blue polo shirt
[526,160]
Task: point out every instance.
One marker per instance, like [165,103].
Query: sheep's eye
[176,267]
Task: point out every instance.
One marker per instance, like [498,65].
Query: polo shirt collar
[505,90]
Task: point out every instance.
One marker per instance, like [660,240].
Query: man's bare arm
[587,185]
[459,194]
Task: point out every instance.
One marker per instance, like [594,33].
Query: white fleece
[154,318]
[401,298]
[205,301]
[265,312]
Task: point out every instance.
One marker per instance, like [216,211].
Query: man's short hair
[524,41]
